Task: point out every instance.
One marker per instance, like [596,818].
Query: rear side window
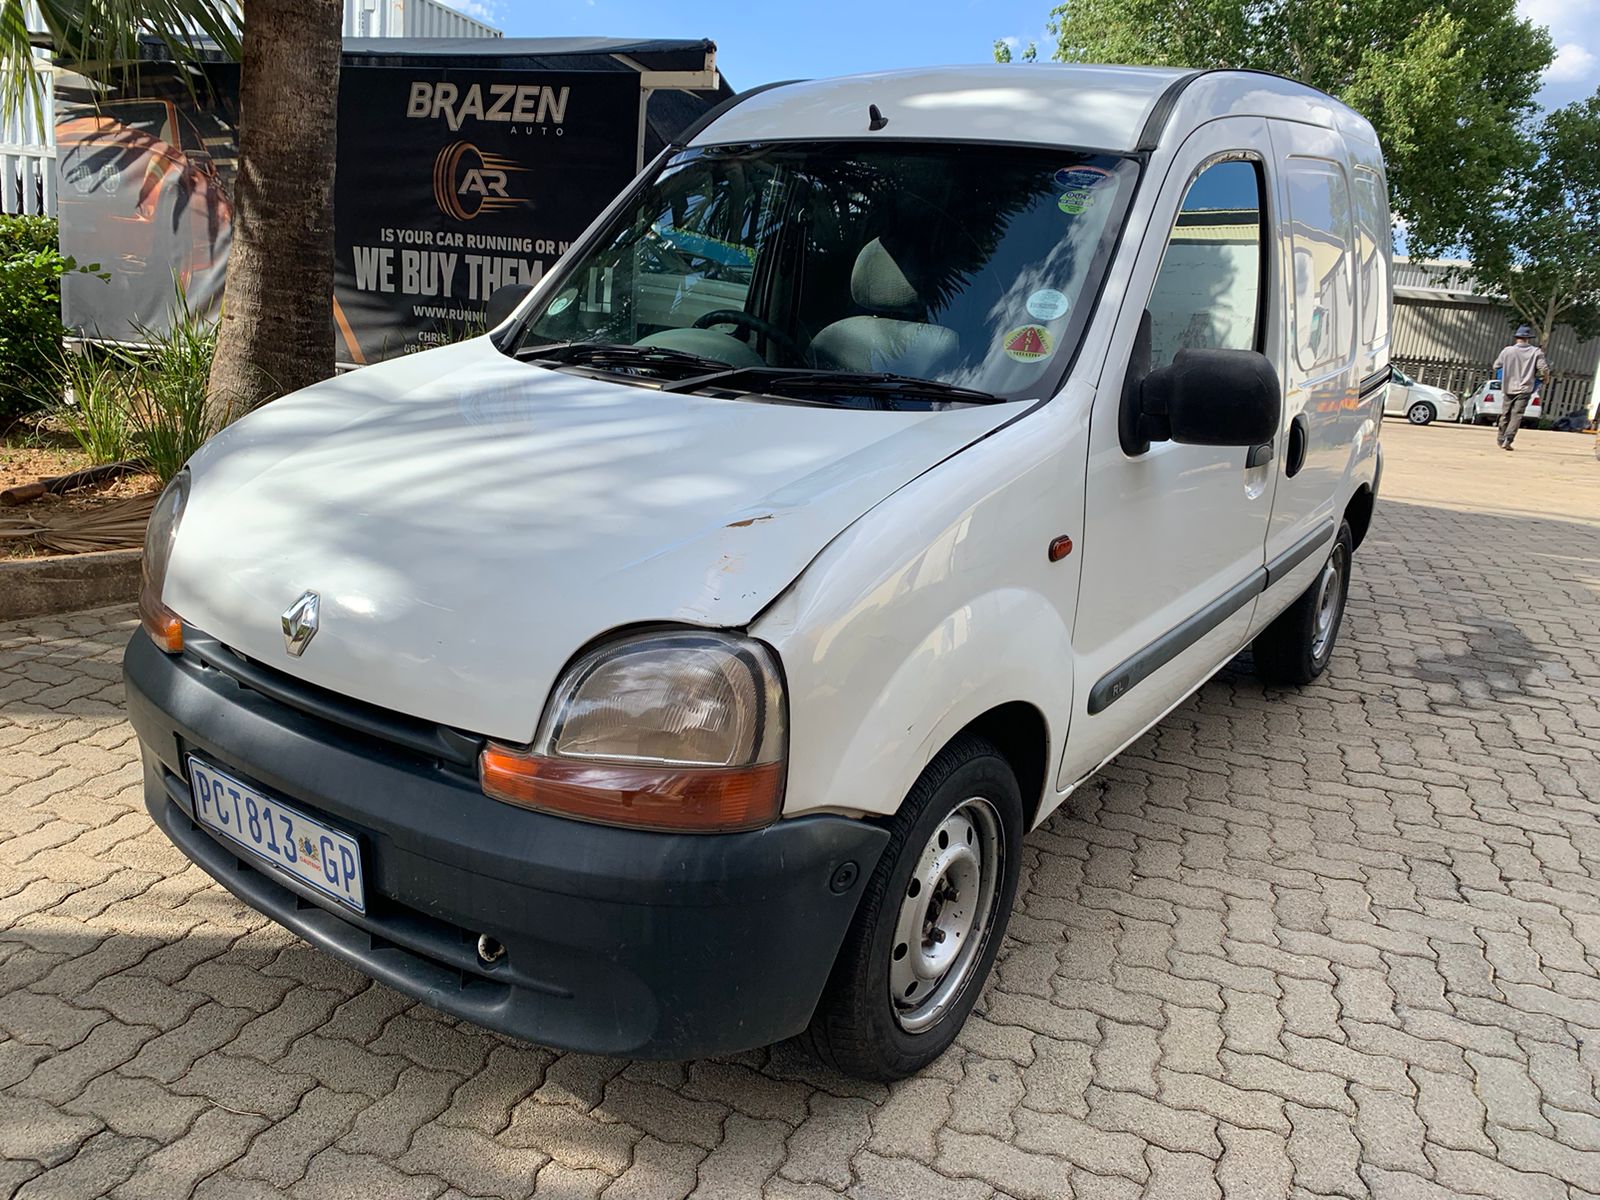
[1208,293]
[1319,214]
[1372,234]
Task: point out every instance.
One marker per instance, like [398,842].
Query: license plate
[300,846]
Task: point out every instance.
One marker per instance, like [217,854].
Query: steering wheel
[733,316]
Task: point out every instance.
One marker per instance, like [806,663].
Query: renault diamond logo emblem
[300,623]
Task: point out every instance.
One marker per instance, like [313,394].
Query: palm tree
[276,334]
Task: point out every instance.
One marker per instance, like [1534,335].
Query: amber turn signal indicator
[661,797]
[163,625]
[1060,547]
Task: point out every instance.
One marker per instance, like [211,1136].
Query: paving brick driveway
[1331,943]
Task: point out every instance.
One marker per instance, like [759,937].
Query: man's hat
[1524,331]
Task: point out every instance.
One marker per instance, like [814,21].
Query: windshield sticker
[1075,179]
[1077,186]
[1028,344]
[1047,304]
[559,304]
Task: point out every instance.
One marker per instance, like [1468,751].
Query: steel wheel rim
[946,914]
[1419,414]
[1330,597]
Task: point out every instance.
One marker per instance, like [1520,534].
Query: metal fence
[1562,393]
[28,157]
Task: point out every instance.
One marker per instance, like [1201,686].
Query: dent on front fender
[862,733]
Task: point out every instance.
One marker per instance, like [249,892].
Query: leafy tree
[1449,86]
[276,333]
[1002,52]
[1542,253]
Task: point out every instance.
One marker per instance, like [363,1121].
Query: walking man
[1520,366]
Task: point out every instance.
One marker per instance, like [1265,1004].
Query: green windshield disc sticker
[1078,200]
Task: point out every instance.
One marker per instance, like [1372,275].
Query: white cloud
[1571,23]
[1573,64]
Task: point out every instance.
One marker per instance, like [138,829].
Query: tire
[1296,648]
[1420,413]
[858,1028]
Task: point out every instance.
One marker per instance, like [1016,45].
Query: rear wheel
[1296,648]
[930,921]
[1420,413]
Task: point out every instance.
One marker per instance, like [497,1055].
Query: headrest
[878,283]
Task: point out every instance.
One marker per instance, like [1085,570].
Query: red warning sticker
[1028,344]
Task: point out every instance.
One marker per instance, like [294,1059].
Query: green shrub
[171,376]
[30,312]
[145,403]
[95,402]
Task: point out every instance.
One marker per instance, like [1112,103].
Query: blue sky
[762,40]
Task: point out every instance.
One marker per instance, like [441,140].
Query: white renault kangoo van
[680,666]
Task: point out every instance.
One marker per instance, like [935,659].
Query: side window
[1372,234]
[1208,293]
[1324,312]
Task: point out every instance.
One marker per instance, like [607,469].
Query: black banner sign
[452,183]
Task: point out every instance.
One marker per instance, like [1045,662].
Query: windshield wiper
[777,380]
[617,354]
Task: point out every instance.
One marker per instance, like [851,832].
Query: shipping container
[412,19]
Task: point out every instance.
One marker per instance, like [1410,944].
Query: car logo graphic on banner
[466,181]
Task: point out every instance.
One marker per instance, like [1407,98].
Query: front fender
[938,606]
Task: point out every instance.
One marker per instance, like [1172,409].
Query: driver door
[1174,537]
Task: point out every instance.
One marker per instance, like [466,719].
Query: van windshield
[971,266]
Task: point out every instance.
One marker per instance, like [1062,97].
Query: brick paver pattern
[1334,942]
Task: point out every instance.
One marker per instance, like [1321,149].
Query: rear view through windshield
[966,264]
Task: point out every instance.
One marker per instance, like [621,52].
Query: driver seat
[890,337]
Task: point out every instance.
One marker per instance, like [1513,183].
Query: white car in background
[1419,403]
[1488,402]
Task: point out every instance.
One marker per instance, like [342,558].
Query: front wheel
[1296,648]
[1420,413]
[931,919]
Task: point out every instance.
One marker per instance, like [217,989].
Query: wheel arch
[1358,512]
[1020,732]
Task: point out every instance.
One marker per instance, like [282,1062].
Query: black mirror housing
[1211,398]
[503,302]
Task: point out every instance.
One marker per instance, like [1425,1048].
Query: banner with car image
[455,182]
[144,178]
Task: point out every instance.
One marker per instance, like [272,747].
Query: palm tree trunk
[277,332]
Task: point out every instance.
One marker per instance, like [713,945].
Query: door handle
[1259,456]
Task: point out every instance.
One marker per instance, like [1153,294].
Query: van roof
[1121,109]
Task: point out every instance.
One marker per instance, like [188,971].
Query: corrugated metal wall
[411,18]
[1450,338]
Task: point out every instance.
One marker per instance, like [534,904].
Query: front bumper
[617,941]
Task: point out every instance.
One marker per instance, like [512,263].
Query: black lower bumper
[617,941]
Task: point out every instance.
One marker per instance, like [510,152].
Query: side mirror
[503,302]
[1206,398]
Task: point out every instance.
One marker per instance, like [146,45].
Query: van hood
[470,522]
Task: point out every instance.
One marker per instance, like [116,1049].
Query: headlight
[682,730]
[160,622]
